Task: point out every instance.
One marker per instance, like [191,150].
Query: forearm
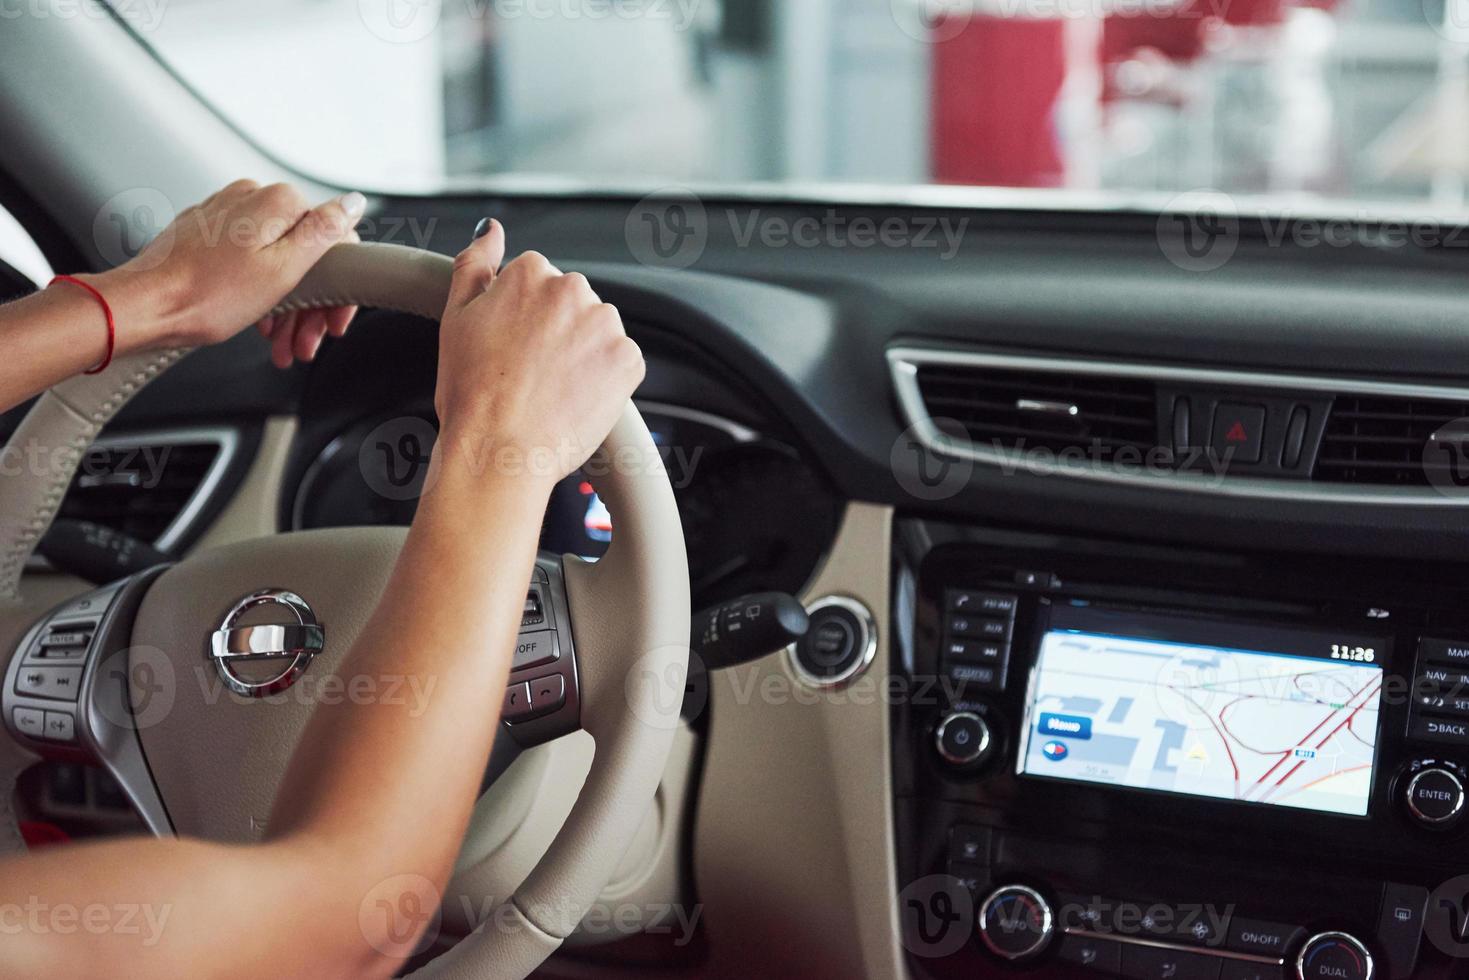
[61,331]
[340,833]
[445,627]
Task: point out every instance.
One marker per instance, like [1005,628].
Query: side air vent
[1002,409]
[1381,441]
[154,487]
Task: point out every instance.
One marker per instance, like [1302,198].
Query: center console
[1114,759]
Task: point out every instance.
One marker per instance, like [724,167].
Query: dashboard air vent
[1381,441]
[151,487]
[1002,409]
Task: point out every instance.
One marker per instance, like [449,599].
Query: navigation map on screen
[1288,729]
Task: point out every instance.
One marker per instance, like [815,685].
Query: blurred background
[1362,100]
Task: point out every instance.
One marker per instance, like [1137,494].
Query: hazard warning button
[1239,432]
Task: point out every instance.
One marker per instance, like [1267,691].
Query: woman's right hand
[534,369]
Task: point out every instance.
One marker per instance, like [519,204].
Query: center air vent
[1002,409]
[152,487]
[1381,441]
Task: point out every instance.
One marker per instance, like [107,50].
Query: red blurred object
[995,88]
[1178,36]
[38,834]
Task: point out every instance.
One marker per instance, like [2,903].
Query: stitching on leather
[90,424]
[322,302]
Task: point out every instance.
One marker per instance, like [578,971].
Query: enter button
[1262,938]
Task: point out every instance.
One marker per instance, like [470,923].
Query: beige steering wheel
[216,760]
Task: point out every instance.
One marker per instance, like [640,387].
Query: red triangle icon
[1237,433]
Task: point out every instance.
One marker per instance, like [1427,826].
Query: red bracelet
[106,310]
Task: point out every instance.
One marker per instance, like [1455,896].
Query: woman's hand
[534,368]
[223,264]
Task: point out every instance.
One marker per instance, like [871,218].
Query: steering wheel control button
[1239,432]
[1435,796]
[962,739]
[60,727]
[517,702]
[55,683]
[547,694]
[535,650]
[1160,963]
[535,611]
[30,722]
[1015,922]
[1334,956]
[840,643]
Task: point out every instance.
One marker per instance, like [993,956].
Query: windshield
[1300,100]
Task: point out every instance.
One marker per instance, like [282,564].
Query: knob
[1435,796]
[1334,956]
[962,739]
[1015,922]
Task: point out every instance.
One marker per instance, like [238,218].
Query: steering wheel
[193,683]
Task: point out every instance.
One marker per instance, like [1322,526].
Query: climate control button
[1015,922]
[1334,956]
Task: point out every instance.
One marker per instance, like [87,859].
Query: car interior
[1045,575]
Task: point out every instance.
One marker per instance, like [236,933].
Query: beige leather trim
[252,512]
[794,852]
[46,449]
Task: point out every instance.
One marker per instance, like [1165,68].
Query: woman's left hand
[223,264]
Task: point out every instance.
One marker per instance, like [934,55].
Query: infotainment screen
[1277,716]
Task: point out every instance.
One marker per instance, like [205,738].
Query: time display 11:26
[1354,653]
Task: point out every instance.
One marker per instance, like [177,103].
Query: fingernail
[483,228]
[353,203]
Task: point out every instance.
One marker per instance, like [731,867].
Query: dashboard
[1172,720]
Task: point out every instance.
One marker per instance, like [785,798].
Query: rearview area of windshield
[1300,100]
